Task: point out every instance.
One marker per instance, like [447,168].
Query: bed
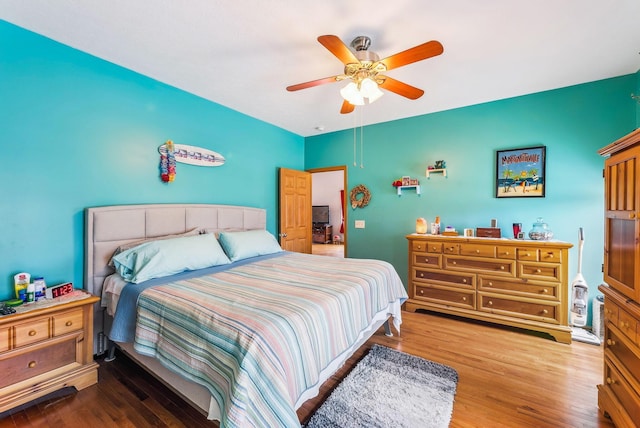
[247,340]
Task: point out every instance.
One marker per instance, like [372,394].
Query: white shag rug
[388,388]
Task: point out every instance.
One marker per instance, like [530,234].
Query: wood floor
[506,379]
[335,250]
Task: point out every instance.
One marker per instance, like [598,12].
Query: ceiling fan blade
[339,49]
[417,53]
[400,88]
[312,83]
[347,107]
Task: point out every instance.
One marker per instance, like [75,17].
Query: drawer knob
[421,291]
[545,312]
[624,324]
[610,381]
[538,270]
[426,260]
[550,255]
[501,267]
[477,251]
[433,248]
[32,333]
[632,215]
[419,247]
[464,299]
[611,342]
[464,281]
[68,323]
[490,303]
[490,284]
[545,291]
[528,254]
[506,253]
[421,275]
[453,262]
[31,364]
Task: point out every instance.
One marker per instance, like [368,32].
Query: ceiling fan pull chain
[355,163]
[361,140]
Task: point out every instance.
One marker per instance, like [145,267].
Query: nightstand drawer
[622,390]
[27,365]
[31,332]
[67,322]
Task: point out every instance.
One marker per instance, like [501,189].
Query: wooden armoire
[619,394]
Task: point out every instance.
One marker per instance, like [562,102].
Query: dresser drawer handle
[506,253]
[421,275]
[611,342]
[477,251]
[464,299]
[545,312]
[550,255]
[464,281]
[32,333]
[454,262]
[421,291]
[490,303]
[538,270]
[610,381]
[419,247]
[545,291]
[624,325]
[490,284]
[68,323]
[632,215]
[434,248]
[450,249]
[528,254]
[426,260]
[31,364]
[501,267]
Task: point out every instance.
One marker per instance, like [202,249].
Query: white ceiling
[244,53]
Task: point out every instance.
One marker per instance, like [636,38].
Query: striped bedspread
[258,335]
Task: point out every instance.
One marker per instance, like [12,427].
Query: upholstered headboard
[106,228]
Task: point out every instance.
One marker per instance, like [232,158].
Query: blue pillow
[250,243]
[166,257]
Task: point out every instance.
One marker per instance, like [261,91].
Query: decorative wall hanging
[520,173]
[167,162]
[360,196]
[194,155]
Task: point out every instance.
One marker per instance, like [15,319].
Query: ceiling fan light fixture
[369,89]
[352,94]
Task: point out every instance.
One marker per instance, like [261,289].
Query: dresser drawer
[517,308]
[31,332]
[627,325]
[540,271]
[21,366]
[519,287]
[502,267]
[447,296]
[505,252]
[449,248]
[529,254]
[427,260]
[67,322]
[428,246]
[624,392]
[445,278]
[610,312]
[477,250]
[550,255]
[621,350]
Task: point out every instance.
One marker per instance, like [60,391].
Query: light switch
[359,224]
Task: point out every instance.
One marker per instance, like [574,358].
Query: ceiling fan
[365,70]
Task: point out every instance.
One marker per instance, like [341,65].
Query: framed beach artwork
[520,173]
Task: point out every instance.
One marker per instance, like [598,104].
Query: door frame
[342,168]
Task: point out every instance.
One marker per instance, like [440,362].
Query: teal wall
[573,123]
[77,131]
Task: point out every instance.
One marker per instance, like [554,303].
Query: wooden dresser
[519,283]
[619,394]
[46,349]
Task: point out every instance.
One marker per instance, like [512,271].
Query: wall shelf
[442,171]
[399,189]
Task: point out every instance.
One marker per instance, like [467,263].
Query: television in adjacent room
[320,214]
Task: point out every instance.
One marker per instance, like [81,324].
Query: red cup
[517,228]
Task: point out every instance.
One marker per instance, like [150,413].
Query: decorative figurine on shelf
[440,164]
[397,183]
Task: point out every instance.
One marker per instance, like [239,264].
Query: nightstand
[46,349]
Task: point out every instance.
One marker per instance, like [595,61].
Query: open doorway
[329,235]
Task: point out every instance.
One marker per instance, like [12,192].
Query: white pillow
[250,243]
[166,257]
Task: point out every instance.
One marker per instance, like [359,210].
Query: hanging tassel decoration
[167,163]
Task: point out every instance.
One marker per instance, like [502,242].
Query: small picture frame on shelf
[405,180]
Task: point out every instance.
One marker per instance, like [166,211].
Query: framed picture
[520,173]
